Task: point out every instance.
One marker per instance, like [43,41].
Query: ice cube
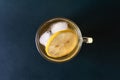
[59,26]
[44,38]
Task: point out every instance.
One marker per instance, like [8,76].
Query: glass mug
[46,27]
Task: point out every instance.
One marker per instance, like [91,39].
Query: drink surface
[59,40]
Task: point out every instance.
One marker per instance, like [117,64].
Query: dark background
[20,60]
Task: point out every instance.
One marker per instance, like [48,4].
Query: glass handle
[88,40]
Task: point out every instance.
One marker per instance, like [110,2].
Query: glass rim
[53,59]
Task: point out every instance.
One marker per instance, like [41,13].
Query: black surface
[20,60]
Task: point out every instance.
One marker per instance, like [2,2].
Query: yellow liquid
[45,27]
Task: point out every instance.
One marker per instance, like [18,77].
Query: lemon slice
[61,43]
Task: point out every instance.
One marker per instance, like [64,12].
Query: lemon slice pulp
[61,43]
